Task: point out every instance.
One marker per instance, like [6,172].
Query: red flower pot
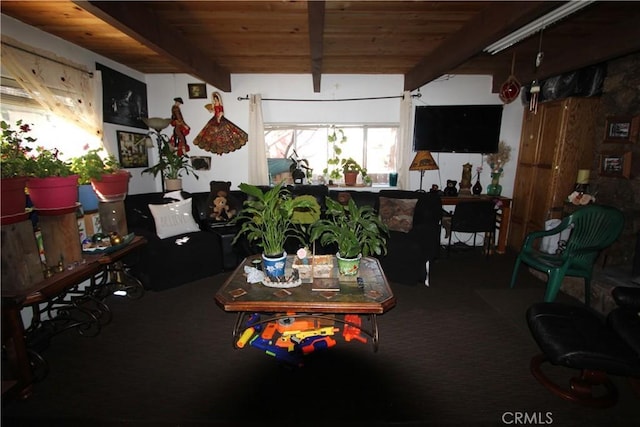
[13,200]
[112,187]
[350,178]
[54,195]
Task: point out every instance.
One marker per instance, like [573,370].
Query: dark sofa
[164,264]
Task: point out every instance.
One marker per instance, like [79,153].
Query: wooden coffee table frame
[375,298]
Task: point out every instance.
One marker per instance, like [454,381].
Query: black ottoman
[578,338]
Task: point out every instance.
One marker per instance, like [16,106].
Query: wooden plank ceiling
[421,40]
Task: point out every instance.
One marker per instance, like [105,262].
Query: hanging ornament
[510,89]
[535,85]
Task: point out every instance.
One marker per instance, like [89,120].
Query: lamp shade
[423,161]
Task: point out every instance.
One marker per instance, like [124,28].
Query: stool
[578,338]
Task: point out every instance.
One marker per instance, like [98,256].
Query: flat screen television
[457,128]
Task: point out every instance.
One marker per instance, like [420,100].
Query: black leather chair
[579,338]
[477,216]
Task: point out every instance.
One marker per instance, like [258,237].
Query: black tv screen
[457,128]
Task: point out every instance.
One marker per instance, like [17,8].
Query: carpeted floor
[455,353]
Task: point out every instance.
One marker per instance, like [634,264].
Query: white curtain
[403,150]
[258,169]
[66,89]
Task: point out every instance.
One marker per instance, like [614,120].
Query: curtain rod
[49,59]
[416,95]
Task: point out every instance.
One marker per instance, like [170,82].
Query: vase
[477,188]
[274,267]
[348,266]
[172,184]
[494,189]
[87,198]
[54,195]
[14,200]
[111,187]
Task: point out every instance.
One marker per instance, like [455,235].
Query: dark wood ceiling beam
[316,36]
[141,23]
[489,26]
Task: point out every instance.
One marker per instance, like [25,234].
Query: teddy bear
[221,209]
[451,190]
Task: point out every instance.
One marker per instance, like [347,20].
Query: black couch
[164,264]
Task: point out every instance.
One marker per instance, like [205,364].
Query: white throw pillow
[173,219]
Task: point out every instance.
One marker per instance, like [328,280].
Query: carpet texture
[455,353]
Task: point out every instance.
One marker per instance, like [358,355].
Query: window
[50,131]
[372,146]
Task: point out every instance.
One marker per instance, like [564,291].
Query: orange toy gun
[350,331]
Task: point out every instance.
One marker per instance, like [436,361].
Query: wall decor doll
[220,135]
[180,128]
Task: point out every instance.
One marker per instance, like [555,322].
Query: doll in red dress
[220,135]
[180,128]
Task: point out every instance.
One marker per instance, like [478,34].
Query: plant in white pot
[267,220]
[356,231]
[172,165]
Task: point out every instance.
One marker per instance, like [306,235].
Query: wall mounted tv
[457,128]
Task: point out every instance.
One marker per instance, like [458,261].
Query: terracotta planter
[112,187]
[13,200]
[54,195]
[350,178]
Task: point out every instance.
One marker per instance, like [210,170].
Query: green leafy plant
[92,165]
[48,163]
[171,164]
[14,157]
[355,230]
[335,138]
[267,217]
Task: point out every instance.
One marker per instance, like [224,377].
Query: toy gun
[252,327]
[350,331]
[291,357]
[311,344]
[298,336]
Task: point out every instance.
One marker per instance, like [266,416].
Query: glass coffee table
[349,299]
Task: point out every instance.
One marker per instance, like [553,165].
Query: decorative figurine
[450,190]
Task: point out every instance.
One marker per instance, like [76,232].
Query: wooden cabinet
[554,144]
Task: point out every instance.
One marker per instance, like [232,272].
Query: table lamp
[423,161]
[582,181]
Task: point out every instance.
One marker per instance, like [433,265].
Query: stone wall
[620,97]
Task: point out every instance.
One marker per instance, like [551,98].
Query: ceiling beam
[316,34]
[141,23]
[489,26]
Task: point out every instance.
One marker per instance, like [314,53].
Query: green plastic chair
[593,228]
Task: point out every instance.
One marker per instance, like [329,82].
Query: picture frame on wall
[616,165]
[622,129]
[132,149]
[124,99]
[201,163]
[197,90]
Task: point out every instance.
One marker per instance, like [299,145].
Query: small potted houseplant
[171,165]
[299,168]
[351,169]
[267,220]
[14,170]
[357,231]
[102,174]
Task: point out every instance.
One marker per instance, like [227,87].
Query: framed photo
[132,149]
[615,164]
[124,99]
[197,90]
[622,129]
[201,163]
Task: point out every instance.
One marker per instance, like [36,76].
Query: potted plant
[102,175]
[52,186]
[171,165]
[335,138]
[299,169]
[351,169]
[267,220]
[356,231]
[14,169]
